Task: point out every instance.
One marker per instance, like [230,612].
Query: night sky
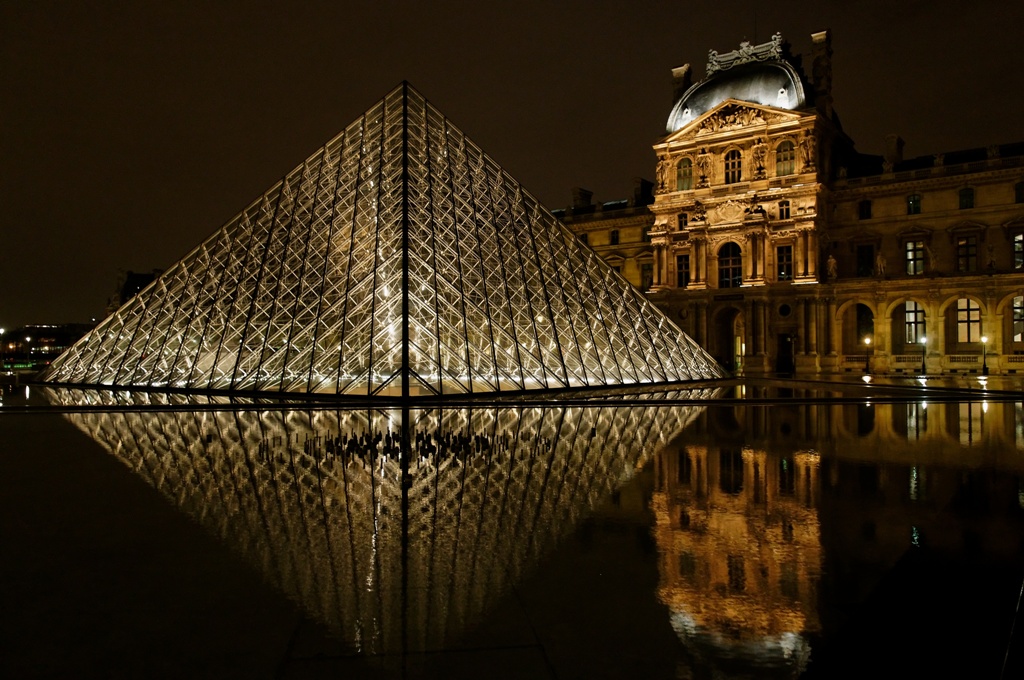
[128,134]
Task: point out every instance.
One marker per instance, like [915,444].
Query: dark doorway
[784,362]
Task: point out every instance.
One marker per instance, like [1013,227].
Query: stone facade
[781,249]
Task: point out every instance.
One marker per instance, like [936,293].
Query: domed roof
[757,74]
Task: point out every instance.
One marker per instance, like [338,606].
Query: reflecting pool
[700,534]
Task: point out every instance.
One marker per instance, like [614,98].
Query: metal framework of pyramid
[400,260]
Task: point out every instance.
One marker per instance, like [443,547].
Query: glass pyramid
[399,259]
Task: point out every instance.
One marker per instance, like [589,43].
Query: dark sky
[130,131]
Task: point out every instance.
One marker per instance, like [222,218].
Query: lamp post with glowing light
[924,351]
[1,351]
[867,356]
[984,355]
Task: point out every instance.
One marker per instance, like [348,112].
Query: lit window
[967,254]
[730,266]
[1018,251]
[914,322]
[914,204]
[864,210]
[966,199]
[914,253]
[783,210]
[682,271]
[785,159]
[784,263]
[968,320]
[613,237]
[733,167]
[1018,318]
[684,175]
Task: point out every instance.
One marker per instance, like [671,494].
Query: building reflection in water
[390,552]
[767,516]
[772,522]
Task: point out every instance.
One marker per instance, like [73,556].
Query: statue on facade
[704,167]
[880,265]
[699,212]
[807,149]
[663,174]
[759,153]
[831,268]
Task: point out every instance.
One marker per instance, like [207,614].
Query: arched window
[684,175]
[730,266]
[733,167]
[968,320]
[913,326]
[785,159]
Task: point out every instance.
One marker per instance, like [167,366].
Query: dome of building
[772,82]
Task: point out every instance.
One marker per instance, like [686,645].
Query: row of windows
[914,253]
[730,260]
[968,321]
[730,266]
[785,164]
[965,199]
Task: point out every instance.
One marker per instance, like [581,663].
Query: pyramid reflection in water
[399,259]
[313,498]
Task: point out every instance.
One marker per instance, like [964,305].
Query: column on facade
[812,253]
[693,263]
[812,327]
[658,278]
[762,327]
[799,264]
[701,248]
[748,329]
[764,254]
[801,329]
[830,327]
[749,267]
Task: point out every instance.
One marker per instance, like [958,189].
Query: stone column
[812,253]
[812,328]
[798,264]
[831,327]
[801,332]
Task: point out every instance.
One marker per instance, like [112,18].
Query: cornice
[888,184]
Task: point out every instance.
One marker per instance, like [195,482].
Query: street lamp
[867,356]
[924,351]
[1,351]
[984,355]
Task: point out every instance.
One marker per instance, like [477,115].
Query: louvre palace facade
[781,249]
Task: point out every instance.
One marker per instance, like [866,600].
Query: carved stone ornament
[730,211]
[733,117]
[745,54]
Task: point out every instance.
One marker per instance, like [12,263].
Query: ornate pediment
[734,116]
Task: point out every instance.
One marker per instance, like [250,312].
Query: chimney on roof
[893,149]
[682,79]
[581,198]
[821,70]
[643,191]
